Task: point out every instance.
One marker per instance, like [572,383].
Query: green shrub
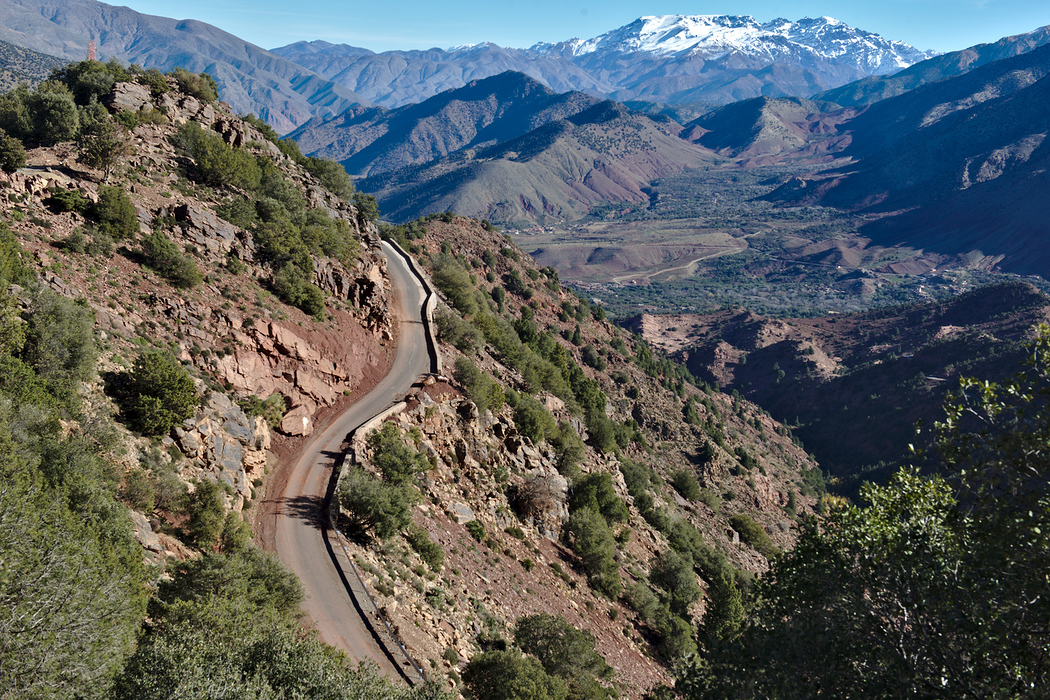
[569,448]
[685,483]
[272,409]
[217,164]
[163,256]
[292,285]
[429,551]
[452,329]
[396,461]
[207,510]
[591,539]
[507,675]
[374,506]
[115,213]
[754,534]
[478,386]
[161,393]
[103,142]
[454,282]
[12,153]
[139,491]
[533,420]
[673,573]
[202,86]
[68,200]
[332,175]
[476,530]
[596,491]
[52,114]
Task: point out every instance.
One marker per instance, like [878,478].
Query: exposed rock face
[226,445]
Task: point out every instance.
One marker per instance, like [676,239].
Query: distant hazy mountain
[672,59]
[958,165]
[603,155]
[251,79]
[949,65]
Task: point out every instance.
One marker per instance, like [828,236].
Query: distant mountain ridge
[672,59]
[250,79]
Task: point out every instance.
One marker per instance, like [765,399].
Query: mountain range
[250,79]
[672,58]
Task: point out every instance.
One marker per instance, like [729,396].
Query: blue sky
[381,25]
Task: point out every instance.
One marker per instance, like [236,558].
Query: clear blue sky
[381,25]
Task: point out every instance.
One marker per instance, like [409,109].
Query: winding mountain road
[298,528]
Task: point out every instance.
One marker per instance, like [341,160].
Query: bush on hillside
[161,393]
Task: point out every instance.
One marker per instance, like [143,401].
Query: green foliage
[102,142]
[202,86]
[595,491]
[216,163]
[674,635]
[60,343]
[486,393]
[725,613]
[591,358]
[462,335]
[454,283]
[70,603]
[429,551]
[163,256]
[160,393]
[271,409]
[207,510]
[592,541]
[62,200]
[476,530]
[367,206]
[52,114]
[12,153]
[507,675]
[936,588]
[90,81]
[532,419]
[332,175]
[685,483]
[396,461]
[569,448]
[115,213]
[375,506]
[247,574]
[293,285]
[563,650]
[226,626]
[754,534]
[674,573]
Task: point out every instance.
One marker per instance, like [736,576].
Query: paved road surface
[299,536]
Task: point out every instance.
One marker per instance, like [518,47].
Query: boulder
[129,97]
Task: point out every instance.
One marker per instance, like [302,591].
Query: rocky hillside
[951,167]
[20,65]
[564,468]
[211,302]
[840,375]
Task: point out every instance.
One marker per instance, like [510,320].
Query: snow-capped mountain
[668,59]
[713,37]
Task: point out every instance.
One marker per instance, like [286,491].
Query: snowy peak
[714,36]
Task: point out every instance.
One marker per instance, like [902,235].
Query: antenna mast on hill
[91,51]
